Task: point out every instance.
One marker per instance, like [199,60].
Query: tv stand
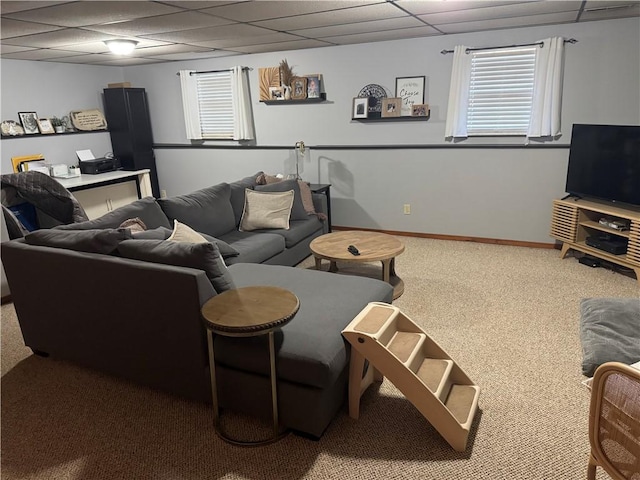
[574,220]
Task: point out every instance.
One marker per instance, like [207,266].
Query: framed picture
[420,110]
[314,86]
[360,107]
[410,90]
[276,93]
[29,122]
[298,88]
[44,125]
[391,107]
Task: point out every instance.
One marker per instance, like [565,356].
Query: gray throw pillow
[609,331]
[201,256]
[146,209]
[207,211]
[297,211]
[103,241]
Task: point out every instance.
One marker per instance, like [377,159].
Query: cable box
[615,246]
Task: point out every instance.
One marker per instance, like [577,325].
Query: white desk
[101,193]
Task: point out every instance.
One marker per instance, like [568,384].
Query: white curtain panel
[456,125]
[190,104]
[243,119]
[547,89]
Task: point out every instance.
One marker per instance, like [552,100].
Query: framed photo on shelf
[410,90]
[420,110]
[391,107]
[276,93]
[29,122]
[298,88]
[44,125]
[314,85]
[360,107]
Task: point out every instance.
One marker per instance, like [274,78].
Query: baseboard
[457,238]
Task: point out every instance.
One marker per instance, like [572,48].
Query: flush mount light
[121,47]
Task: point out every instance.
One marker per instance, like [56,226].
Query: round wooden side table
[248,312]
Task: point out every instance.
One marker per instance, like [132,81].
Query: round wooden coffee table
[248,312]
[373,247]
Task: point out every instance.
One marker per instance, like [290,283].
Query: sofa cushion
[146,209]
[201,256]
[237,193]
[160,233]
[207,211]
[254,247]
[103,241]
[298,230]
[297,210]
[266,210]
[310,348]
[609,331]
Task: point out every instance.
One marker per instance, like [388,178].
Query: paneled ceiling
[75,31]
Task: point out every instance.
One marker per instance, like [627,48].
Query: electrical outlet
[163,194]
[407,209]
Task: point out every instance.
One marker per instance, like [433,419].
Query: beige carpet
[507,315]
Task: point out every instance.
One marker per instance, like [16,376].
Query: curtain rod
[444,52]
[215,71]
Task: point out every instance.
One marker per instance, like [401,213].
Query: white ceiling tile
[92,59]
[600,13]
[244,41]
[76,14]
[264,10]
[193,55]
[505,11]
[422,7]
[361,27]
[160,24]
[382,36]
[507,23]
[213,33]
[168,49]
[16,28]
[41,54]
[4,48]
[58,38]
[126,61]
[378,11]
[195,5]
[282,46]
[10,7]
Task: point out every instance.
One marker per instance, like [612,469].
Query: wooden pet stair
[400,350]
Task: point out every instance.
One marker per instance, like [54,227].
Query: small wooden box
[119,85]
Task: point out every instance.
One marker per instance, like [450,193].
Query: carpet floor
[507,315]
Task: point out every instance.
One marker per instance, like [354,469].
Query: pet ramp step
[397,348]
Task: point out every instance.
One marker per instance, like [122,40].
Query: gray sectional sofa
[140,320]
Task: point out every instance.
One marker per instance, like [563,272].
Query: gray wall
[502,193]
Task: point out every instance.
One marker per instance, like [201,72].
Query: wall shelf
[320,99]
[391,119]
[34,135]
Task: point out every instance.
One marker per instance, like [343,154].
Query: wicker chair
[614,422]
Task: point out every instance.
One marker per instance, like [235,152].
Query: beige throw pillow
[266,210]
[184,233]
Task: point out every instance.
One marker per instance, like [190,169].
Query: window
[506,91]
[215,105]
[501,91]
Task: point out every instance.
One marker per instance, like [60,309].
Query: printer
[99,165]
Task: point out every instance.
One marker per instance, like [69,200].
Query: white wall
[502,193]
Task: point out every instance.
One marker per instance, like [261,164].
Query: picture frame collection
[409,101]
[300,87]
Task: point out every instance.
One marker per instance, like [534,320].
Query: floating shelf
[391,119]
[321,98]
[33,135]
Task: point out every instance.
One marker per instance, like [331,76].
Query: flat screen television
[604,163]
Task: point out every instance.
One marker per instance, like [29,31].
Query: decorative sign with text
[410,90]
[88,120]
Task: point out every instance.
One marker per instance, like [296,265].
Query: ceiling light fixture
[121,46]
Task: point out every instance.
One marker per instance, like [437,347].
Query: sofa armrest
[320,205]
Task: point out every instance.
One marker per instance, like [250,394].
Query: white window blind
[215,100]
[501,91]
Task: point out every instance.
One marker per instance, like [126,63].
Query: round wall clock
[375,93]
